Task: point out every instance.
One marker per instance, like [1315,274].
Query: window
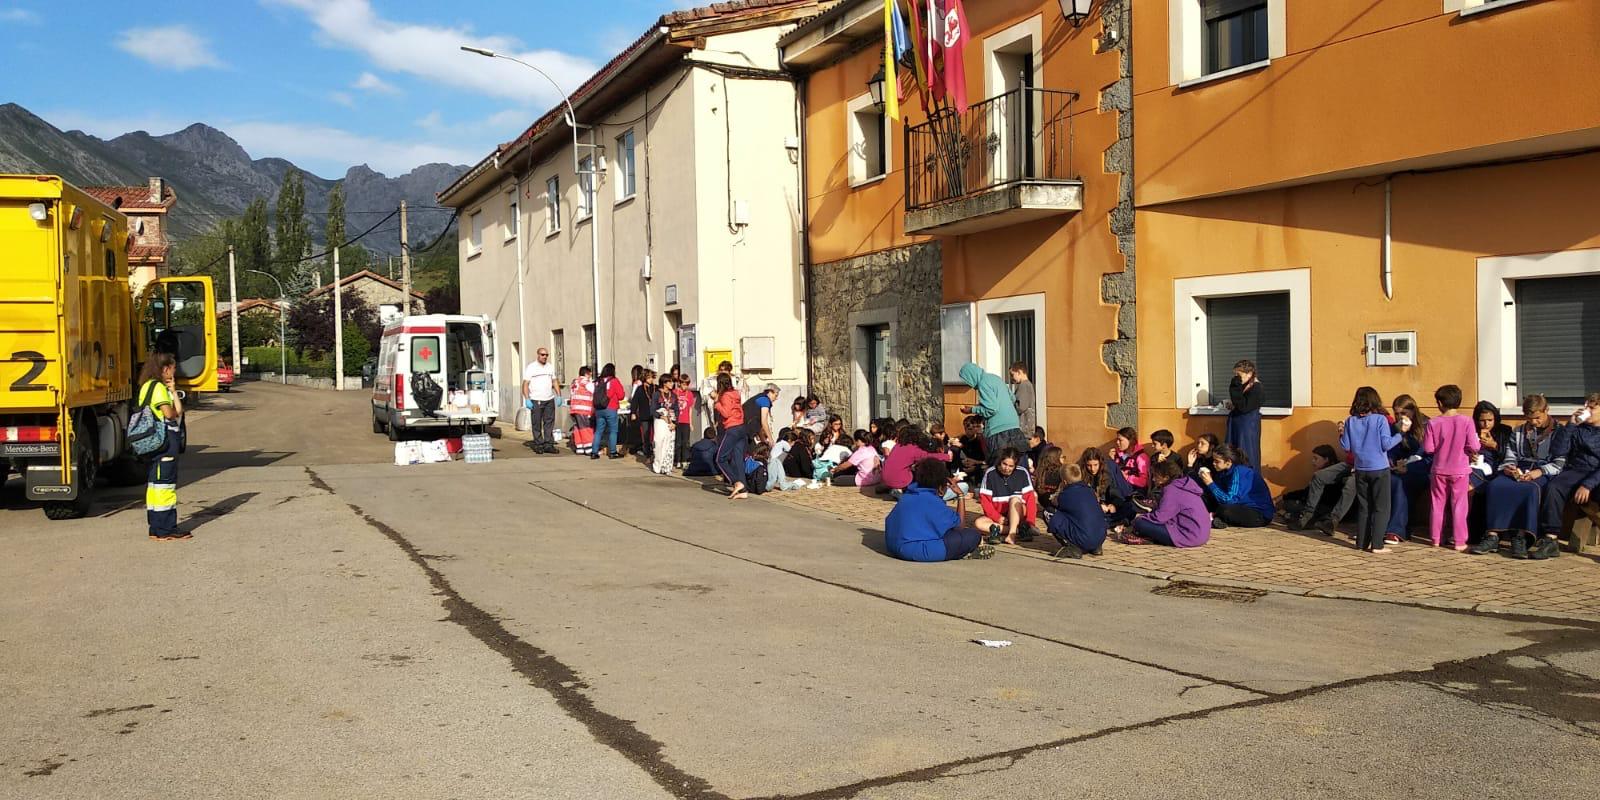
[475,233]
[1557,354]
[591,346]
[955,341]
[513,215]
[552,205]
[425,354]
[1012,329]
[585,187]
[558,352]
[868,135]
[1537,315]
[1235,33]
[1262,316]
[1253,326]
[626,185]
[1016,341]
[1213,39]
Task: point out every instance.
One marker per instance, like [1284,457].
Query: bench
[1583,526]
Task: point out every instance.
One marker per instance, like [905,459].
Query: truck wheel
[88,474]
[377,424]
[393,430]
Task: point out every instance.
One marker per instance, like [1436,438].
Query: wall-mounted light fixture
[1076,11]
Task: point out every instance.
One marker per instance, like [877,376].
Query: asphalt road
[553,627]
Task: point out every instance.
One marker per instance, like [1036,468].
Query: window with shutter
[1235,33]
[1558,354]
[1256,327]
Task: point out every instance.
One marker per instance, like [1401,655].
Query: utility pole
[338,327]
[233,317]
[405,263]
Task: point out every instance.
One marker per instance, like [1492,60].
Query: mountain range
[215,178]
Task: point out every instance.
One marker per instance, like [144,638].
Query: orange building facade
[990,236]
[1400,194]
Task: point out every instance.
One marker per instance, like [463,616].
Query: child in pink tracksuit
[1452,440]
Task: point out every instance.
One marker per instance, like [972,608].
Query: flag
[891,91]
[905,56]
[954,38]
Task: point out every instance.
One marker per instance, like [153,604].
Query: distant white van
[435,371]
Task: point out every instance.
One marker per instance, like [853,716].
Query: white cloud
[343,99]
[500,126]
[109,126]
[369,82]
[169,47]
[320,148]
[21,16]
[434,54]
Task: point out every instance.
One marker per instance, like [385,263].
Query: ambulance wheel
[377,424]
[88,473]
[393,430]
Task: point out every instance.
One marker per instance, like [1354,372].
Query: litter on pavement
[992,642]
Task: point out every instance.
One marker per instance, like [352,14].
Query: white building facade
[676,241]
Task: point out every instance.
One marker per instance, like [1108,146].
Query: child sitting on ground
[1008,499]
[1326,499]
[1199,454]
[1181,520]
[1132,474]
[1036,445]
[974,448]
[1161,446]
[703,456]
[755,468]
[921,527]
[1049,474]
[861,468]
[824,468]
[1079,522]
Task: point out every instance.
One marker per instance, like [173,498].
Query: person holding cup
[1579,480]
[1244,411]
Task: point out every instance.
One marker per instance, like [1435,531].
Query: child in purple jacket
[1181,520]
[1452,440]
[1366,436]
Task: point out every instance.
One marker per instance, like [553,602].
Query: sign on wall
[955,335]
[686,346]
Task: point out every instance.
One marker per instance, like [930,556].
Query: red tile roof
[246,306]
[148,252]
[132,198]
[363,275]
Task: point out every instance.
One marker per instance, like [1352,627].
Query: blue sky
[324,83]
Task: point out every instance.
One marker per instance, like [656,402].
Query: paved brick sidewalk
[1309,563]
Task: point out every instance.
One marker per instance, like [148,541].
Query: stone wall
[901,288]
[1120,354]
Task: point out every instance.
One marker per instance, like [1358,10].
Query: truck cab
[435,371]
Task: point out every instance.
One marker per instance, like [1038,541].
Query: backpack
[602,394]
[147,431]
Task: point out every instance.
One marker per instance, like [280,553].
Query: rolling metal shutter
[1256,327]
[1558,337]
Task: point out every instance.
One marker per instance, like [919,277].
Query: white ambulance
[435,371]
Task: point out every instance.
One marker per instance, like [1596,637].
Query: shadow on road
[203,461]
[217,510]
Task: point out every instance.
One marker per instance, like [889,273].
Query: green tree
[292,233]
[253,250]
[334,233]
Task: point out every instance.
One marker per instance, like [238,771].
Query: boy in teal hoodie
[997,407]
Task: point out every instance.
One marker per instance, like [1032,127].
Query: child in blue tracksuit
[1367,437]
[1079,523]
[1242,496]
[922,528]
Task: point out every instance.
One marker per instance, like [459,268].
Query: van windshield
[425,354]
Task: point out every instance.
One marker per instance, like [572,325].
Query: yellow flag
[891,85]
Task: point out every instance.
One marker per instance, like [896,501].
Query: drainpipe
[1388,238]
[805,240]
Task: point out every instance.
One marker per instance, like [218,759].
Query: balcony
[1007,160]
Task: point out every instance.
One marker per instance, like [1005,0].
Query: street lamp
[875,88]
[571,118]
[1076,11]
[283,342]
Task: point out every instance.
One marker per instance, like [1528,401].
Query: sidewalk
[1278,560]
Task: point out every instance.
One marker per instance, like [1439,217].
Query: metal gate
[1016,341]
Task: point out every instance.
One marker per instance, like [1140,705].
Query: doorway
[880,380]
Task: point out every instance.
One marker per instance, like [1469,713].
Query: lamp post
[283,342]
[571,118]
[1076,11]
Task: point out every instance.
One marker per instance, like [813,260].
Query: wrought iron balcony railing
[1024,135]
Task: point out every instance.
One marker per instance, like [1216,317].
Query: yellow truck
[73,338]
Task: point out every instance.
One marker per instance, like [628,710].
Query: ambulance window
[425,354]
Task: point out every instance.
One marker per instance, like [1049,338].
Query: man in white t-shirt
[539,388]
